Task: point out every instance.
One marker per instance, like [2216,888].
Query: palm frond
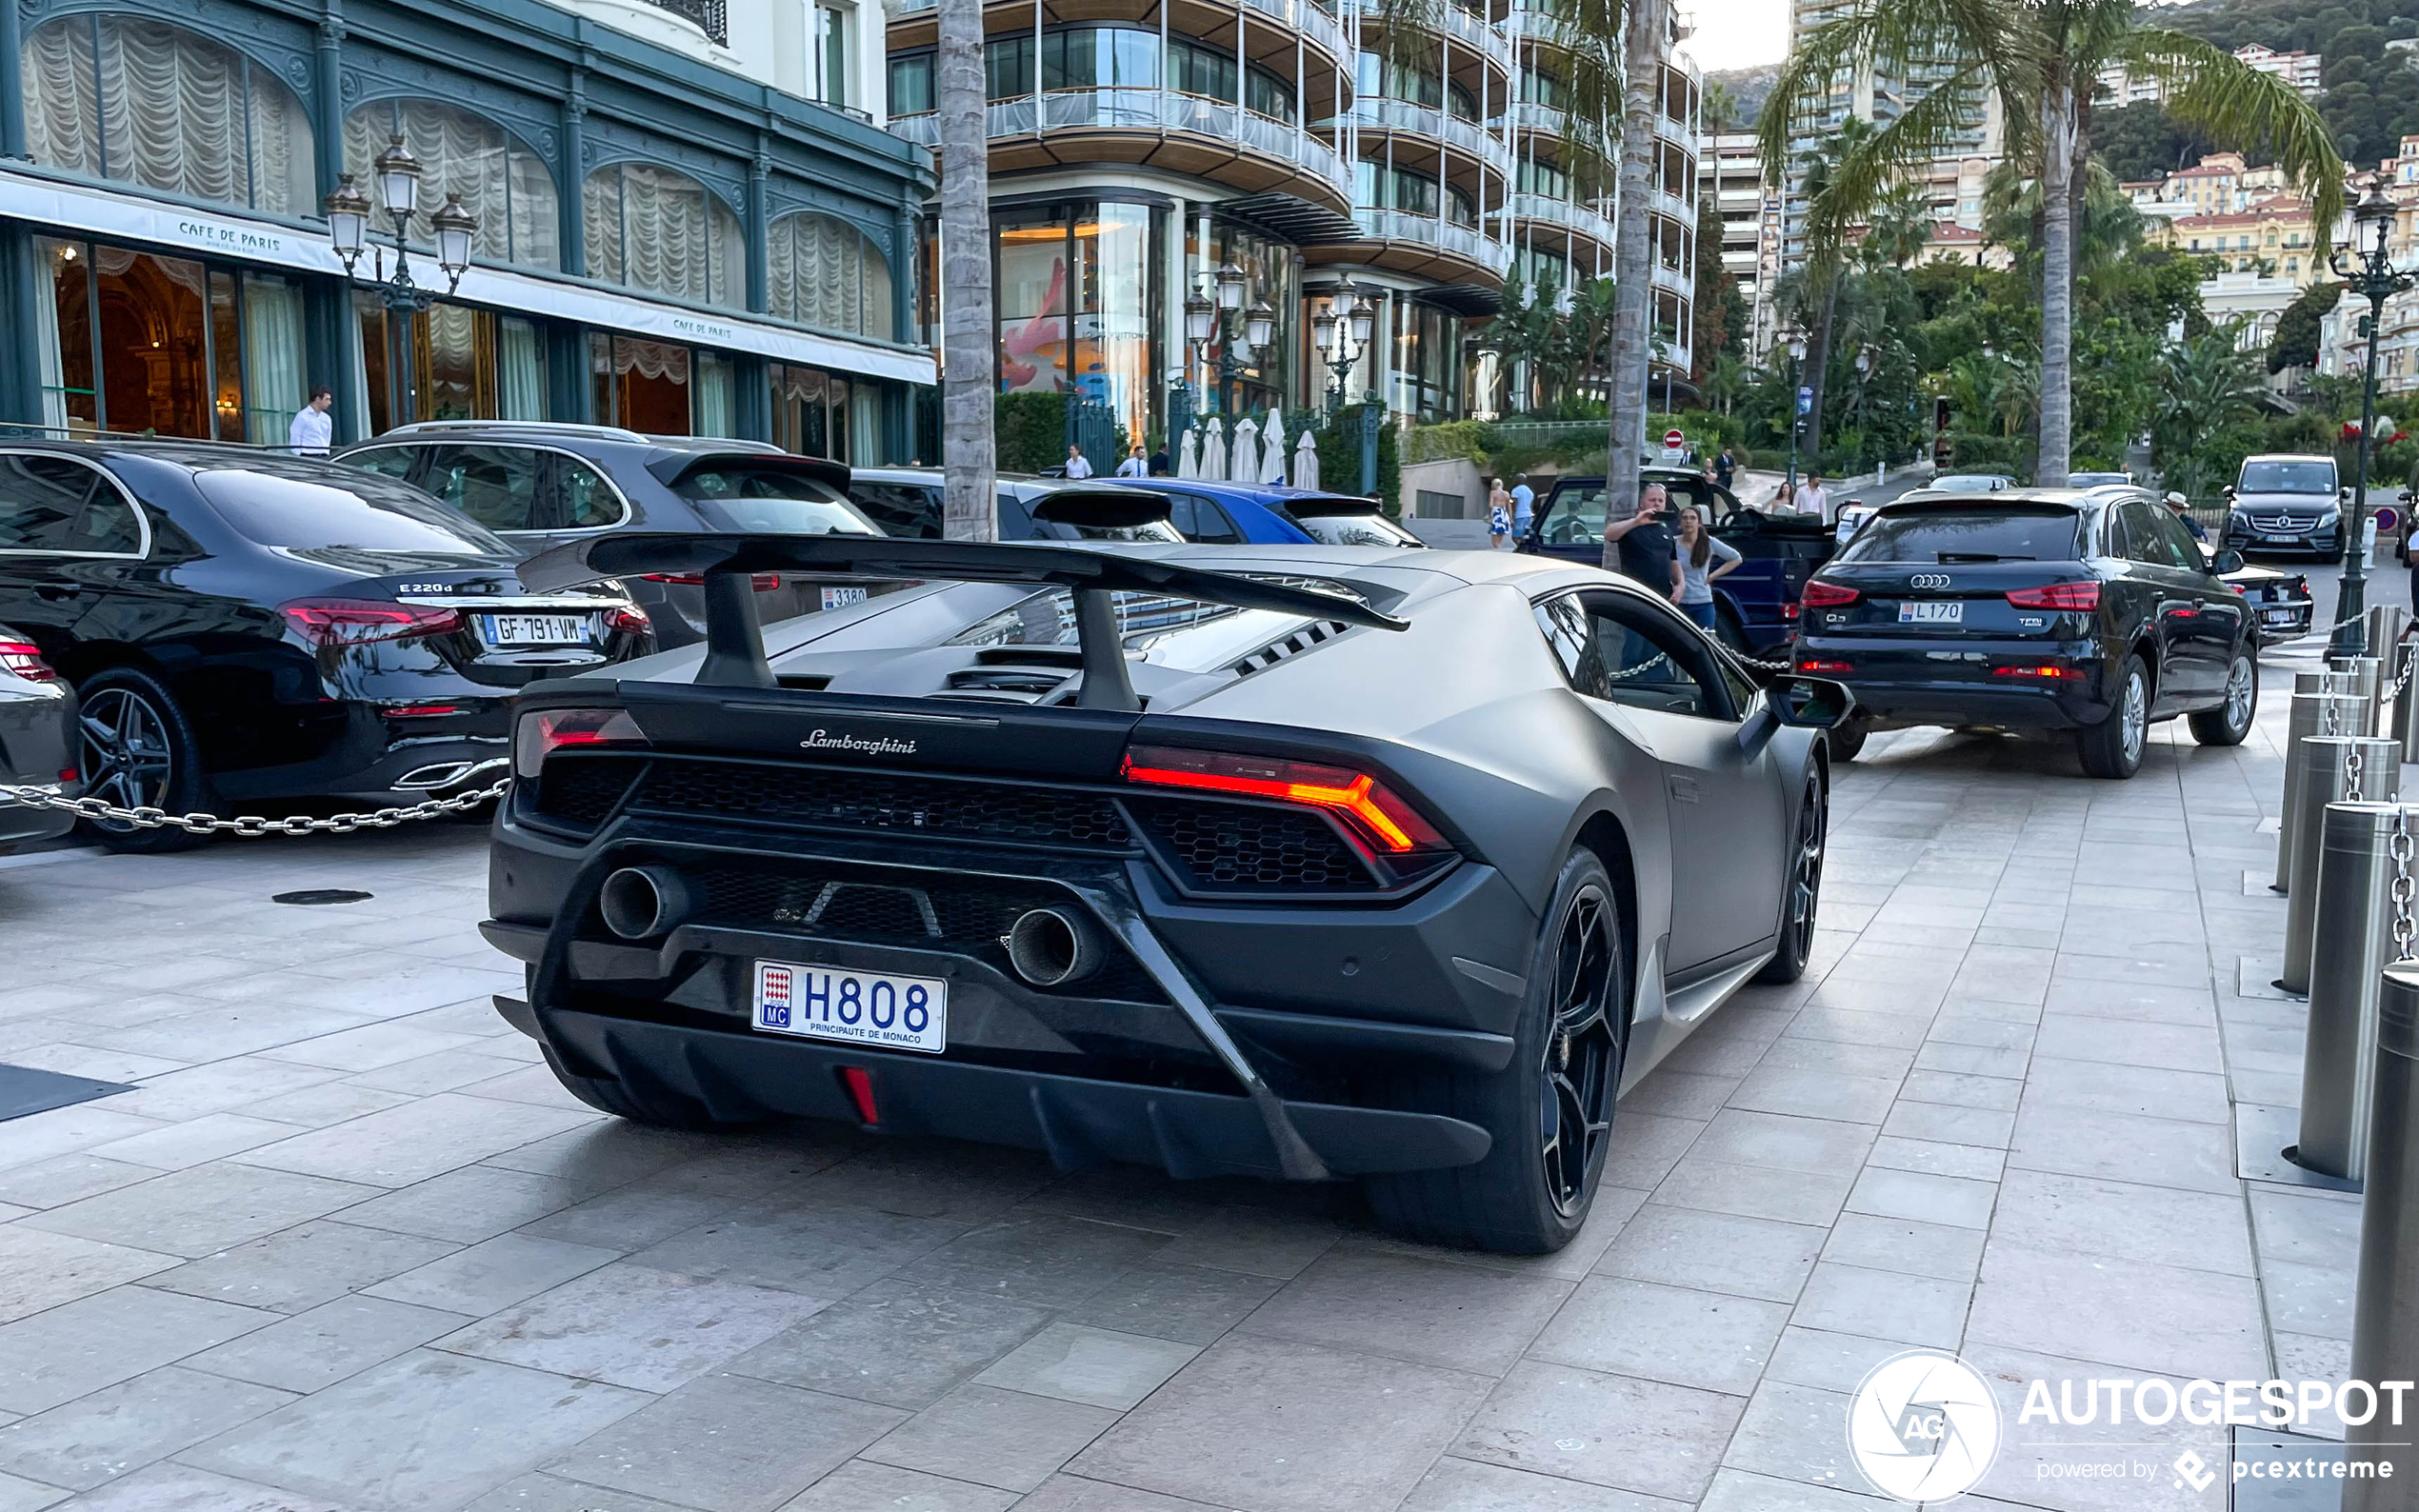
[1874,165]
[2225,99]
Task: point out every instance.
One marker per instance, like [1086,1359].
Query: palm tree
[1726,381]
[2042,59]
[2207,384]
[969,340]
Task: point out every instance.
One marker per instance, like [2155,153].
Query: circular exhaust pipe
[642,901]
[1050,947]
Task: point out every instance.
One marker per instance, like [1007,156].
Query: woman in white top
[1702,560]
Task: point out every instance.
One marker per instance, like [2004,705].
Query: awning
[101,212]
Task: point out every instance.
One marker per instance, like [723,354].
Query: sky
[1739,34]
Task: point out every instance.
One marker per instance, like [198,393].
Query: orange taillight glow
[1360,800]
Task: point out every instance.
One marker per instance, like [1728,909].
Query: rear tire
[2229,723]
[2112,748]
[1550,1111]
[1848,738]
[658,1106]
[138,750]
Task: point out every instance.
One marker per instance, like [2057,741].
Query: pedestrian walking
[1784,499]
[1645,543]
[313,430]
[1135,464]
[1524,505]
[1159,463]
[1813,500]
[1499,520]
[1725,467]
[1702,560]
[1076,465]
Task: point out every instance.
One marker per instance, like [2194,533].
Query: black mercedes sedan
[243,628]
[2083,610]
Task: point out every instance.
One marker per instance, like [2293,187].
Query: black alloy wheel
[2113,747]
[2229,723]
[1802,890]
[138,752]
[1580,1053]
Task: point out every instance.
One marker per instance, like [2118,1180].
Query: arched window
[825,272]
[144,102]
[659,230]
[500,182]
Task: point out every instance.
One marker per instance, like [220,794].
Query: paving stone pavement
[347,1249]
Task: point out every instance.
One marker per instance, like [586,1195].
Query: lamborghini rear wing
[734,641]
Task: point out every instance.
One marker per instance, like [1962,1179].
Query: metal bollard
[2385,1325]
[2368,675]
[2326,779]
[2308,717]
[2352,887]
[2386,624]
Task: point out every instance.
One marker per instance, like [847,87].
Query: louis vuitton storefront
[646,253]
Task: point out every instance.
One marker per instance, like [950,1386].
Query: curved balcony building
[1137,149]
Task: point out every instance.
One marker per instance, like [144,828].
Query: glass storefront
[463,364]
[1078,290]
[133,342]
[1427,361]
[1270,278]
[823,414]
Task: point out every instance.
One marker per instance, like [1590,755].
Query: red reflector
[421,710]
[765,582]
[66,774]
[351,622]
[860,1085]
[1819,667]
[2050,671]
[1377,814]
[1788,612]
[2082,596]
[1822,595]
[22,658]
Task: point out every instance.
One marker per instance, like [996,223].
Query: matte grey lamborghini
[1309,862]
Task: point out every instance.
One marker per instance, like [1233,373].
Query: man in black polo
[1645,541]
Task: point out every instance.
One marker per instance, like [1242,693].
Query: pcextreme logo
[1923,1427]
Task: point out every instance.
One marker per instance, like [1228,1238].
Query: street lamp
[1214,314]
[1793,336]
[396,176]
[2367,272]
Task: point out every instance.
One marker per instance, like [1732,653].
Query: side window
[1576,516]
[1211,524]
[584,500]
[2147,539]
[905,510]
[495,485]
[2180,543]
[1653,659]
[387,462]
[1571,638]
[55,505]
[2114,523]
[1016,522]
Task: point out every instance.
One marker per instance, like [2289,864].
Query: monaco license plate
[533,629]
[842,598]
[1932,611]
[2280,616]
[863,1007]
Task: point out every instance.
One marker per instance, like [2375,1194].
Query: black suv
[539,485]
[2058,610]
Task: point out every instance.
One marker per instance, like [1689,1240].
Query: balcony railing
[1311,19]
[1476,34]
[1462,241]
[1579,218]
[713,17]
[1402,116]
[1138,110]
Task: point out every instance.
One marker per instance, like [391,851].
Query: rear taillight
[2042,671]
[2083,597]
[624,620]
[1824,667]
[351,622]
[765,582]
[1822,595]
[548,730]
[24,659]
[1375,812]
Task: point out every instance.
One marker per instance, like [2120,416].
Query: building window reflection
[1269,279]
[811,412]
[1078,292]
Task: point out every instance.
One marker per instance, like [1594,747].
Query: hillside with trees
[2371,96]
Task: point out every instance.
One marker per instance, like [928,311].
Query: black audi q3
[2083,610]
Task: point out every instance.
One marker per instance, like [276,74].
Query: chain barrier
[2404,927]
[251,826]
[2351,773]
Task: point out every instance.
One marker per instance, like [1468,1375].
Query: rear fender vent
[1316,634]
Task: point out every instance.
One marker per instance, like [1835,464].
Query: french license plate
[1932,611]
[863,1007]
[533,629]
[2281,540]
[842,598]
[2280,616]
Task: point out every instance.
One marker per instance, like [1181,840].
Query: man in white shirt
[1076,465]
[314,430]
[1813,500]
[1135,464]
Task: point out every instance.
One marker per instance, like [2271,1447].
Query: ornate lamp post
[396,176]
[1341,330]
[1793,336]
[2368,274]
[1215,314]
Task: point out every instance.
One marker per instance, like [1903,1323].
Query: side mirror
[2343,493]
[2227,491]
[1811,703]
[2226,561]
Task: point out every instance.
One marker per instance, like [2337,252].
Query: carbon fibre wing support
[734,641]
